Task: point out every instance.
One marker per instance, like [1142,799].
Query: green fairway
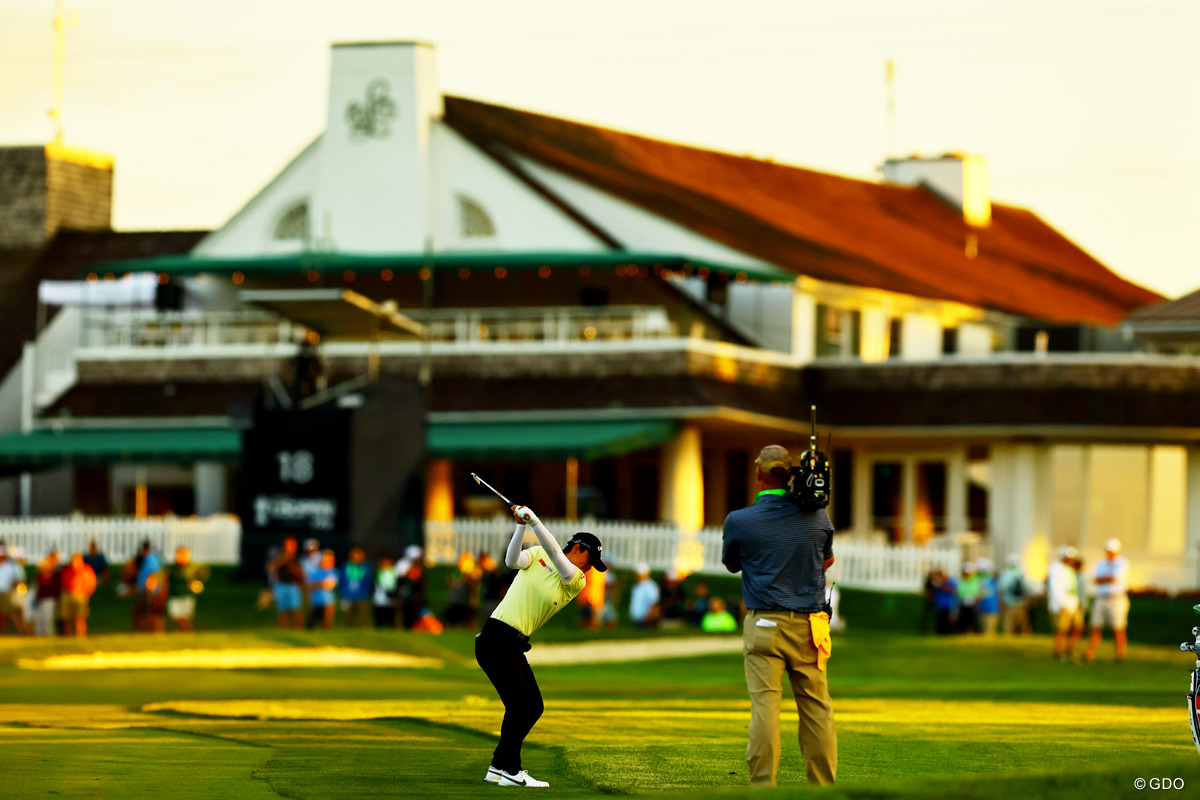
[916,717]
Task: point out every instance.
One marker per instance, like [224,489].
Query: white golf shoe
[522,778]
[493,775]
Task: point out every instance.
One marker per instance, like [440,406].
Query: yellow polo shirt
[537,594]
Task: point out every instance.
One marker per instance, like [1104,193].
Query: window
[293,225]
[895,334]
[949,341]
[837,332]
[475,222]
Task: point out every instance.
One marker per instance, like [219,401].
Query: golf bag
[1194,693]
[810,484]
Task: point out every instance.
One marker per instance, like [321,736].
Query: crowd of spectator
[53,596]
[978,601]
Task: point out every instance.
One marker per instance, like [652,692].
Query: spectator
[591,599]
[989,599]
[1062,601]
[412,586]
[1079,622]
[970,591]
[12,577]
[1014,595]
[672,602]
[491,585]
[311,562]
[321,585]
[1112,600]
[718,619]
[384,597]
[289,585]
[49,587]
[612,595]
[929,595]
[150,591]
[643,600]
[945,601]
[98,562]
[357,581]
[78,584]
[462,602]
[699,605]
[185,580]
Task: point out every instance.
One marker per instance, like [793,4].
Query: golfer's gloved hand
[525,515]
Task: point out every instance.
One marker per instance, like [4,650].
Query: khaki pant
[769,650]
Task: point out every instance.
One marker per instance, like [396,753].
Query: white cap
[1066,551]
[985,565]
[672,574]
[412,552]
[1013,559]
[1112,545]
[968,566]
[642,568]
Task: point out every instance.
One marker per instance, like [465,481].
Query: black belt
[502,630]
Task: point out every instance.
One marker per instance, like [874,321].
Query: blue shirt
[642,599]
[356,581]
[321,596]
[989,599]
[781,552]
[945,597]
[150,565]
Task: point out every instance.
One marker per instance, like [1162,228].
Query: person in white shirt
[1112,603]
[1062,601]
[643,600]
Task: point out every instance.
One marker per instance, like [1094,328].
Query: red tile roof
[902,239]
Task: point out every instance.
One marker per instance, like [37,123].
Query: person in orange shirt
[78,585]
[591,599]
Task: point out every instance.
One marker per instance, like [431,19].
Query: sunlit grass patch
[273,658]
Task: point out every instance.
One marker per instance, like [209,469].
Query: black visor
[589,542]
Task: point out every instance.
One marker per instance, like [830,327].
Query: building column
[1019,505]
[804,325]
[908,497]
[681,497]
[439,492]
[716,494]
[208,485]
[1193,516]
[862,515]
[956,492]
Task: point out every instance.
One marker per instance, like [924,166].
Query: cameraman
[782,553]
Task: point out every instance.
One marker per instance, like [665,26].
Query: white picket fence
[881,567]
[212,540]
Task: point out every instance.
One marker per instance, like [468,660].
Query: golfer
[549,578]
[782,553]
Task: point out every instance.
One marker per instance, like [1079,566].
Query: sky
[1088,111]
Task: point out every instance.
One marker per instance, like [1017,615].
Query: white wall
[523,220]
[974,339]
[372,190]
[921,337]
[764,312]
[251,231]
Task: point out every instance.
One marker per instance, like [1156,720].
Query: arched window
[474,220]
[293,224]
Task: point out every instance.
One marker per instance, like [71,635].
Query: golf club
[482,482]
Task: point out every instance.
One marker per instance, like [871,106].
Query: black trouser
[500,651]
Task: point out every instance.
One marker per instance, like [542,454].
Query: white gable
[470,182]
[252,230]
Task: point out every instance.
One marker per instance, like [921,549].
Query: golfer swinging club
[548,579]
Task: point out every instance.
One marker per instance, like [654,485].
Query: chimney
[373,183]
[959,179]
[44,188]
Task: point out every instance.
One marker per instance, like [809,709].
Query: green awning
[545,440]
[337,263]
[49,449]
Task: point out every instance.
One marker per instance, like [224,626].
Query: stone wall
[23,197]
[79,194]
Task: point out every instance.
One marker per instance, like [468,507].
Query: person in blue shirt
[322,581]
[945,601]
[643,600]
[989,598]
[356,587]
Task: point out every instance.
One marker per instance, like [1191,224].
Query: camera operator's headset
[809,488]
